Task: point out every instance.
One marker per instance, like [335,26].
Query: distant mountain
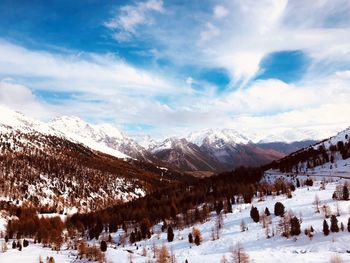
[218,150]
[184,155]
[286,148]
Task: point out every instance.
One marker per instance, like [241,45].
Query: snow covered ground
[32,253]
[260,249]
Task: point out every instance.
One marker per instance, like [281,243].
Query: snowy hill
[326,157]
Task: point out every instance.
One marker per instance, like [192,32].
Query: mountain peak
[214,136]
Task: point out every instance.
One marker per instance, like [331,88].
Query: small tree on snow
[254,214]
[239,255]
[243,226]
[190,238]
[325,228]
[279,209]
[223,259]
[196,233]
[295,226]
[334,224]
[336,259]
[317,204]
[345,192]
[170,234]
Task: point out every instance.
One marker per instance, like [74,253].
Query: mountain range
[211,150]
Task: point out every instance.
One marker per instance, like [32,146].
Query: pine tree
[132,238]
[229,205]
[254,214]
[295,226]
[25,243]
[325,228]
[190,238]
[219,206]
[279,209]
[103,246]
[345,192]
[349,224]
[334,224]
[170,235]
[267,211]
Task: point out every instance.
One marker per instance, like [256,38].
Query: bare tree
[238,254]
[317,203]
[223,259]
[243,226]
[163,255]
[336,259]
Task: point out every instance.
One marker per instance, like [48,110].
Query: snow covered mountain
[11,120]
[55,169]
[105,135]
[206,150]
[220,149]
[217,137]
[185,155]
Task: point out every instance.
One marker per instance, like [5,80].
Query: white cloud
[209,32]
[220,11]
[129,17]
[21,98]
[102,74]
[257,28]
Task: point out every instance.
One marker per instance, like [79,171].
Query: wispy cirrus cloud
[129,17]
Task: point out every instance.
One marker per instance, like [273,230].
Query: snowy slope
[103,137]
[300,249]
[10,119]
[75,129]
[323,158]
[260,250]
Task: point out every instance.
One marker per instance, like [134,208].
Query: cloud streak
[129,17]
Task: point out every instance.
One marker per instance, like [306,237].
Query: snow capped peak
[214,136]
[111,130]
[72,124]
[146,141]
[19,121]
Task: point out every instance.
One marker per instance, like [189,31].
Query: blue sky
[171,67]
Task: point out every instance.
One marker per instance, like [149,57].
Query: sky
[166,68]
